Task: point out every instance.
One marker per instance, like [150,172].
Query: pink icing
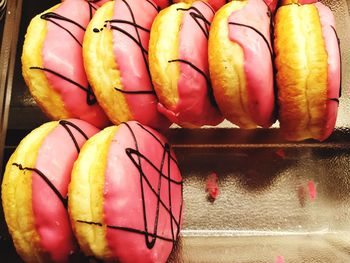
[62,53]
[163,3]
[331,42]
[257,59]
[100,2]
[216,4]
[123,196]
[132,61]
[194,105]
[55,159]
[272,4]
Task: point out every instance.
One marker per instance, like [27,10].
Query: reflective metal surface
[278,201]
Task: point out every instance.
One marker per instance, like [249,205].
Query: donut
[126,205]
[308,71]
[178,55]
[116,61]
[34,190]
[52,63]
[241,63]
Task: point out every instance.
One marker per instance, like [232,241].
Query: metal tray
[278,201]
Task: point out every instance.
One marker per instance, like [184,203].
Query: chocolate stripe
[66,125]
[51,17]
[137,92]
[209,87]
[90,99]
[63,200]
[341,63]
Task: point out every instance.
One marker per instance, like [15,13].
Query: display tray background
[263,211]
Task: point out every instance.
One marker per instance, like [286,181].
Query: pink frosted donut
[309,90]
[116,61]
[35,187]
[179,53]
[126,206]
[53,64]
[241,63]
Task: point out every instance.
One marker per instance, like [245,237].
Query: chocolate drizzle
[47,181]
[208,5]
[137,40]
[209,87]
[198,17]
[341,65]
[53,17]
[259,33]
[154,5]
[66,125]
[90,96]
[120,21]
[334,99]
[270,14]
[135,157]
[92,8]
[137,92]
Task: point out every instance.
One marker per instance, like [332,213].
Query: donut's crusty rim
[17,195]
[164,47]
[301,61]
[86,194]
[47,99]
[226,66]
[101,68]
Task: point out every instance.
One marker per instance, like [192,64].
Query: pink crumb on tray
[312,190]
[212,187]
[281,154]
[280,259]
